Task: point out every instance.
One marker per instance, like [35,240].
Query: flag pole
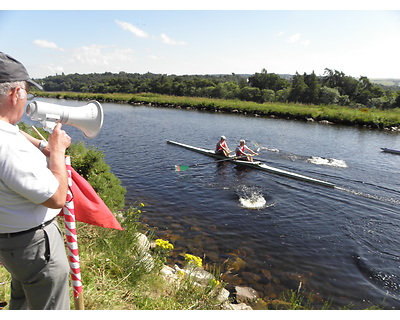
[72,242]
[71,237]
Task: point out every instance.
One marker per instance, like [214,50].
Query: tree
[251,94]
[268,95]
[265,80]
[328,95]
[282,95]
[311,93]
[396,103]
[298,89]
[337,79]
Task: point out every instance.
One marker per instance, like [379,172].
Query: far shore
[361,117]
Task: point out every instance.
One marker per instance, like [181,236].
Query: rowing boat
[255,165]
[390,151]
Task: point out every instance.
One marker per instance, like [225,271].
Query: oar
[257,146]
[184,168]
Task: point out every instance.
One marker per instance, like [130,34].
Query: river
[266,231]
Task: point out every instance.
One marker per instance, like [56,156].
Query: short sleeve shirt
[25,182]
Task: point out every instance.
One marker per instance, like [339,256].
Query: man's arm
[37,142]
[59,141]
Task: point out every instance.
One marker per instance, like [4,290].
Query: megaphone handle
[49,126]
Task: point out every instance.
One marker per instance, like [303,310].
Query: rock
[142,242]
[199,274]
[232,279]
[246,294]
[239,306]
[146,260]
[223,296]
[270,291]
[235,264]
[259,304]
[325,122]
[169,274]
[266,273]
[167,271]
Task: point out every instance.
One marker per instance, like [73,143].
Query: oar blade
[181,168]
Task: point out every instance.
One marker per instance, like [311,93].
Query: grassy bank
[373,118]
[115,277]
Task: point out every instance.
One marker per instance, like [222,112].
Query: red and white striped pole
[72,242]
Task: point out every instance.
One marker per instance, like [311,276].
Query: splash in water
[328,162]
[257,202]
[252,198]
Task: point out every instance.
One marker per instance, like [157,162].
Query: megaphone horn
[88,118]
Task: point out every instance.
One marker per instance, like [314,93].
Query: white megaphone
[88,119]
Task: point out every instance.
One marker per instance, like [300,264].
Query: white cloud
[167,40]
[47,44]
[132,29]
[99,58]
[123,55]
[90,55]
[294,38]
[153,57]
[52,69]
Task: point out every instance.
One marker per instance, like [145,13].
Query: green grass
[115,278]
[370,117]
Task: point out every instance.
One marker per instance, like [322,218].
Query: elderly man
[222,147]
[33,189]
[241,151]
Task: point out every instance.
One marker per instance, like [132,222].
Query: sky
[208,39]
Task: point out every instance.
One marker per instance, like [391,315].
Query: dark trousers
[39,269]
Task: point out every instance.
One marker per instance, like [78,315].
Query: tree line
[333,88]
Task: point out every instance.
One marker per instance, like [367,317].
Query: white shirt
[25,182]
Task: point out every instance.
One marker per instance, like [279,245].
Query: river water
[266,231]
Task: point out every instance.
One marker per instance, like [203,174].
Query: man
[241,151]
[222,147]
[33,189]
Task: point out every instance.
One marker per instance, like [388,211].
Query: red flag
[89,207]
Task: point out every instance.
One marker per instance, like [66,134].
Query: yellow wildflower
[189,258]
[164,244]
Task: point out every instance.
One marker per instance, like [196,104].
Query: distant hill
[387,82]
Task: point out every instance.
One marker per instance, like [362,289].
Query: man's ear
[14,96]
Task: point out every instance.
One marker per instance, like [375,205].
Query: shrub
[89,163]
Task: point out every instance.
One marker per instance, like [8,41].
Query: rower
[241,151]
[222,147]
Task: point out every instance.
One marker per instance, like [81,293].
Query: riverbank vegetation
[333,97]
[332,88]
[356,116]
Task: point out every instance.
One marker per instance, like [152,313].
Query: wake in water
[388,282]
[369,196]
[327,162]
[314,160]
[268,149]
[252,198]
